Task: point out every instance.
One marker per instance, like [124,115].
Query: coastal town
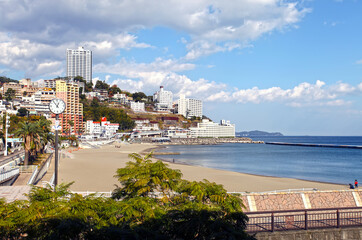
[180,120]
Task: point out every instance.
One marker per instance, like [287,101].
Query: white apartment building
[164,99]
[93,128]
[104,128]
[38,103]
[79,63]
[189,107]
[137,106]
[121,97]
[208,128]
[50,83]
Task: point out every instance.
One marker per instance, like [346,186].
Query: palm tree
[29,132]
[71,124]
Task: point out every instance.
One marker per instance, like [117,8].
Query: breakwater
[200,141]
[210,141]
[314,145]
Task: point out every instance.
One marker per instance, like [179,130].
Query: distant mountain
[257,133]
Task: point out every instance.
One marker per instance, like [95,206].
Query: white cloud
[359,61]
[37,59]
[38,32]
[148,77]
[304,94]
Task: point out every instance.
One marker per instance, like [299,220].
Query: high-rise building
[189,107]
[73,114]
[79,63]
[164,99]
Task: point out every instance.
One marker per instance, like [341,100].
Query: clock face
[57,106]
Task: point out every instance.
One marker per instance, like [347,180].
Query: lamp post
[7,125]
[56,106]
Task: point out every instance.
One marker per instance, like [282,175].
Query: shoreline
[93,170]
[251,174]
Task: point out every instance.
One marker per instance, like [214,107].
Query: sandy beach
[93,170]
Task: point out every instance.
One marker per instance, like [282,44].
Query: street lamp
[56,106]
[7,125]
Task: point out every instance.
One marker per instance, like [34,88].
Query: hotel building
[208,128]
[69,93]
[164,99]
[79,63]
[189,107]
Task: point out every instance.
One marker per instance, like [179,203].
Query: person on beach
[355,183]
[351,186]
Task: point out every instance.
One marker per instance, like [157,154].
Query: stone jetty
[201,141]
[210,141]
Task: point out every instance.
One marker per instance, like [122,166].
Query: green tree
[28,131]
[139,96]
[71,125]
[59,214]
[9,94]
[113,90]
[101,85]
[22,112]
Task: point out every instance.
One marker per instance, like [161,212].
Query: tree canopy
[183,210]
[139,96]
[101,85]
[94,110]
[9,94]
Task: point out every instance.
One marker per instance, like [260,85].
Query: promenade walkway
[256,202]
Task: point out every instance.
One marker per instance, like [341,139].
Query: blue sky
[289,66]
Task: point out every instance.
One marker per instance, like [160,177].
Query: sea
[333,165]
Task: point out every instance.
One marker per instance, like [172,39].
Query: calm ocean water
[336,165]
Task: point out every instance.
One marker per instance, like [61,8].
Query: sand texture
[94,170]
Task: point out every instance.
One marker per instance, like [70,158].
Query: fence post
[338,219]
[272,222]
[306,220]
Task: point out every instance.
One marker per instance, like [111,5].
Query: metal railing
[6,175]
[43,169]
[19,157]
[32,178]
[28,169]
[96,194]
[304,219]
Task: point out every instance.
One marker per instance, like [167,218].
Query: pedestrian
[351,186]
[355,183]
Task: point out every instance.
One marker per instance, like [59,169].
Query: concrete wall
[319,234]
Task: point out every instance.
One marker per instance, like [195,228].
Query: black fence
[304,219]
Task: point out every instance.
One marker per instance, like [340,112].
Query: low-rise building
[177,133]
[137,106]
[102,129]
[121,98]
[208,128]
[143,124]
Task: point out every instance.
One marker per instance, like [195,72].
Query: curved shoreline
[251,174]
[94,170]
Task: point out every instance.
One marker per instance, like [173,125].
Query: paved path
[12,193]
[22,179]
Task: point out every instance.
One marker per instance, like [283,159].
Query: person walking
[355,183]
